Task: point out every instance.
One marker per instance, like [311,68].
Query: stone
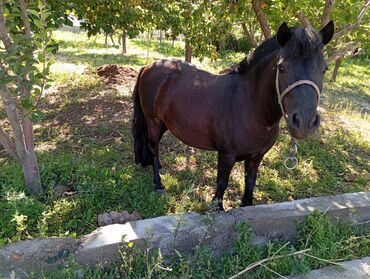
[115,217]
[135,216]
[41,254]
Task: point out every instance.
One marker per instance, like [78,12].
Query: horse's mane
[304,41]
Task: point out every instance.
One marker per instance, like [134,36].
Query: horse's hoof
[246,204]
[161,191]
[217,205]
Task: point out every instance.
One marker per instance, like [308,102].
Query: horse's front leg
[251,167]
[225,164]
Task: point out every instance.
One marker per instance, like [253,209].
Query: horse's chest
[259,142]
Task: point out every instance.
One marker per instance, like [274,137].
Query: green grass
[326,241]
[84,143]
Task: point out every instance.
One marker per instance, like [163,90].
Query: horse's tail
[143,155]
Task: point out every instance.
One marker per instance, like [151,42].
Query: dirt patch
[115,74]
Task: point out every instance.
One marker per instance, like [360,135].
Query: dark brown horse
[236,114]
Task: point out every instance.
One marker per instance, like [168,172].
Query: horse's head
[299,75]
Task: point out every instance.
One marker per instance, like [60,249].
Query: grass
[320,242]
[84,143]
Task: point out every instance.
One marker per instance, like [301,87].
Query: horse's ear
[283,34]
[327,32]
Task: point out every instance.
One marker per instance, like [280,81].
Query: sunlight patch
[59,67]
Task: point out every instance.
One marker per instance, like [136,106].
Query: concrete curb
[356,269]
[181,232]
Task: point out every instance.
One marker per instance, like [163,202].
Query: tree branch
[250,35]
[326,12]
[345,30]
[353,26]
[363,11]
[26,22]
[8,144]
[3,33]
[261,18]
[303,19]
[342,52]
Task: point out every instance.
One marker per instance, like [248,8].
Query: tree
[201,23]
[105,16]
[24,34]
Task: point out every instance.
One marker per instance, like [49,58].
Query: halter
[291,161]
[290,87]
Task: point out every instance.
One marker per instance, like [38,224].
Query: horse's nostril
[315,121]
[296,120]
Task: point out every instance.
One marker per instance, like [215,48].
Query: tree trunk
[188,52]
[261,18]
[112,39]
[160,37]
[326,12]
[221,46]
[123,46]
[336,68]
[250,36]
[31,173]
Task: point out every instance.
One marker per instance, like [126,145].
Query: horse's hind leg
[155,127]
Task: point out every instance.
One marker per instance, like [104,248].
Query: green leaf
[36,116]
[38,23]
[33,12]
[26,104]
[41,57]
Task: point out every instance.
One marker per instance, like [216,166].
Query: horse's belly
[192,137]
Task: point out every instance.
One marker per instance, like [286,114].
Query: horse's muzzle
[302,127]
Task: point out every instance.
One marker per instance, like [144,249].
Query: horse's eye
[281,68]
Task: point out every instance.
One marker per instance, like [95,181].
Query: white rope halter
[290,87]
[291,161]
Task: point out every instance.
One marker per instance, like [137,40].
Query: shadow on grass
[351,90]
[96,60]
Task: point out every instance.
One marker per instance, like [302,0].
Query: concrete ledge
[181,232]
[356,269]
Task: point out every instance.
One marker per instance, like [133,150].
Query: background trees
[206,25]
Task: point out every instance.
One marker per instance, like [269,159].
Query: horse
[236,114]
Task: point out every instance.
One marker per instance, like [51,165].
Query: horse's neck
[264,89]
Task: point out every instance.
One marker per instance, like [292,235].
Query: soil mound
[115,74]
